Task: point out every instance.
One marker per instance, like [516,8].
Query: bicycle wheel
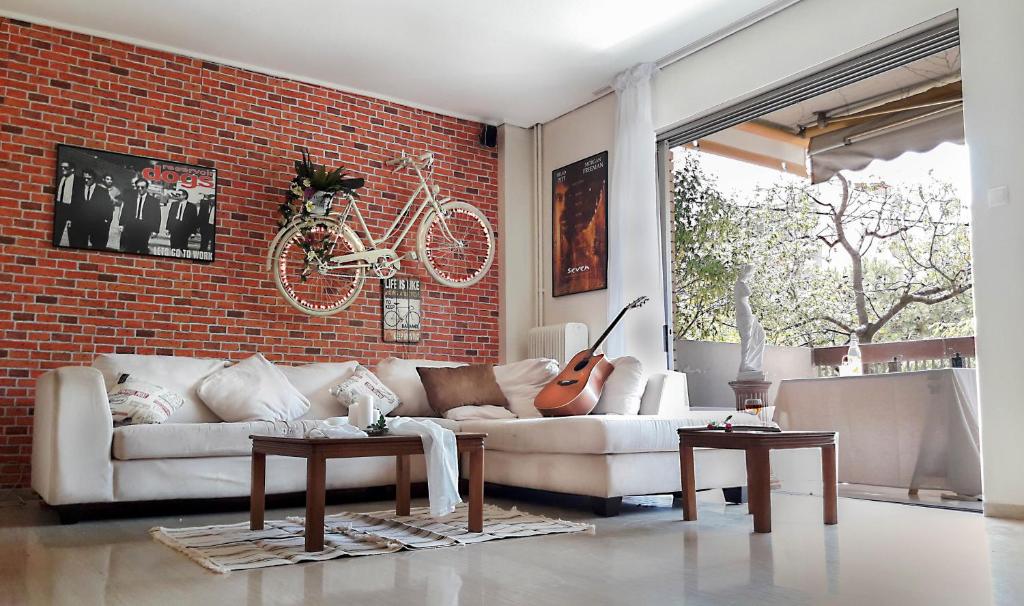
[460,255]
[307,287]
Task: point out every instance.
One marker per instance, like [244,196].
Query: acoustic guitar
[576,390]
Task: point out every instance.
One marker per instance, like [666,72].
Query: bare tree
[885,262]
[922,232]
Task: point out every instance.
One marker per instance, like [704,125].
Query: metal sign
[400,310]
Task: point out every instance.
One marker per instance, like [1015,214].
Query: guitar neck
[608,330]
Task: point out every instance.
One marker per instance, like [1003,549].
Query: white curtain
[634,247]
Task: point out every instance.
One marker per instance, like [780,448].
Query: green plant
[379,428]
[316,176]
[310,180]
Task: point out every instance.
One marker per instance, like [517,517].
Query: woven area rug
[234,547]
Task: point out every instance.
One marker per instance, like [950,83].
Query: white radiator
[558,341]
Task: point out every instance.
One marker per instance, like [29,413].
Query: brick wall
[60,306]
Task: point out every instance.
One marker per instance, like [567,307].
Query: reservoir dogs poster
[580,218]
[133,204]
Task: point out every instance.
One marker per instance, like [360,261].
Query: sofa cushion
[476,413]
[400,377]
[187,440]
[138,402]
[623,389]
[252,390]
[519,381]
[197,440]
[522,381]
[363,383]
[595,434]
[471,385]
[665,395]
[315,382]
[178,374]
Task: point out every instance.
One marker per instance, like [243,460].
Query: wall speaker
[489,136]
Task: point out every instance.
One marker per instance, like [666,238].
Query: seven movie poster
[580,218]
[117,202]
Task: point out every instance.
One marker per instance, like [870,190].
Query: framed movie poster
[132,204]
[579,209]
[400,309]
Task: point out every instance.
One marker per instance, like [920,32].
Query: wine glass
[754,406]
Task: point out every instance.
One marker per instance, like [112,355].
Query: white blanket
[439,449]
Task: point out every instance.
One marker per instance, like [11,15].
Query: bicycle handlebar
[423,160]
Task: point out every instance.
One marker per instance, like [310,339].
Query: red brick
[78,89]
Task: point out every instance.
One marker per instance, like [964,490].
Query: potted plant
[314,188]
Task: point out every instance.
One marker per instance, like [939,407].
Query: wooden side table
[758,445]
[316,451]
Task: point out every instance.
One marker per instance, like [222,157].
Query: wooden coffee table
[757,445]
[316,451]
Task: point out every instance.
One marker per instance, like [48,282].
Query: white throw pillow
[624,388]
[180,374]
[252,390]
[522,381]
[478,413]
[315,382]
[400,376]
[138,402]
[364,382]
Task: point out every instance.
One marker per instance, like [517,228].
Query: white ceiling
[516,61]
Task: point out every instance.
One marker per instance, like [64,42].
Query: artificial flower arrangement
[314,188]
[726,425]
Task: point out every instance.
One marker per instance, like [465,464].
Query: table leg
[687,483]
[316,480]
[828,476]
[258,491]
[751,495]
[476,490]
[402,488]
[759,488]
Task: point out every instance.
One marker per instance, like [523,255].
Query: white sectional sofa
[79,458]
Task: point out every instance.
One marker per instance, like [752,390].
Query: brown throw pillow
[472,385]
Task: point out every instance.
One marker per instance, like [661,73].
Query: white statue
[751,334]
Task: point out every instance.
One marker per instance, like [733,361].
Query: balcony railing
[910,355]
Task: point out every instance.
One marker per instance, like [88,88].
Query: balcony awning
[758,144]
[885,137]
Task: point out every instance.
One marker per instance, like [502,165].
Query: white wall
[993,58]
[710,366]
[803,39]
[516,207]
[579,134]
[586,131]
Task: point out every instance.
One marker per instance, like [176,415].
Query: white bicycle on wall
[320,263]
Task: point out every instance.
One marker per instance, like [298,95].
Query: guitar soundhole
[581,364]
[567,382]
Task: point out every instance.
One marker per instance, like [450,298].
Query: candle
[361,412]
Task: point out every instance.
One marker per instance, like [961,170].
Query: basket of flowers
[314,188]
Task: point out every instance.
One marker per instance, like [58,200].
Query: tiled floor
[880,553]
[942,499]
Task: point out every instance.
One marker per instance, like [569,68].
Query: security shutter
[876,62]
